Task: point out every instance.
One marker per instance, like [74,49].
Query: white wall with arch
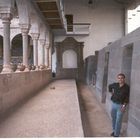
[69,59]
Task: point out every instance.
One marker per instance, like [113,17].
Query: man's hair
[121,74]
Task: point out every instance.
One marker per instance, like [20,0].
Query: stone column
[42,42]
[24,31]
[35,37]
[50,58]
[6,18]
[47,54]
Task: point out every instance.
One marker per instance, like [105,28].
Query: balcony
[78,29]
[53,12]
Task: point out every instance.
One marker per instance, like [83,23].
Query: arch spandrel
[23,11]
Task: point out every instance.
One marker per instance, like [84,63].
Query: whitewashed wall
[106,18]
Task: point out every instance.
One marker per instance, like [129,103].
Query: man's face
[121,79]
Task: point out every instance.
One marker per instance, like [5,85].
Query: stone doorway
[126,69]
[69,59]
[105,76]
[127,62]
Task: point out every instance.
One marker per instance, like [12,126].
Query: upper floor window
[133,19]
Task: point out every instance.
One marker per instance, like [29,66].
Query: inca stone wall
[124,56]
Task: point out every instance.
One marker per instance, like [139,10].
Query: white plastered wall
[106,18]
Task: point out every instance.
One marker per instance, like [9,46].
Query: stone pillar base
[37,68]
[49,68]
[26,69]
[7,69]
[17,70]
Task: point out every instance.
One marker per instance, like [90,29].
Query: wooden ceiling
[50,11]
[126,2]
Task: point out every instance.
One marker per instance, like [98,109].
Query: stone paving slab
[54,112]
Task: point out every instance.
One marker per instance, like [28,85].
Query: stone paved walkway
[49,109]
[53,112]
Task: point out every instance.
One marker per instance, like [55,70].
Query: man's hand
[123,108]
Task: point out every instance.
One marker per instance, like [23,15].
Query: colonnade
[41,44]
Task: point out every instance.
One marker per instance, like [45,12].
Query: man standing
[119,98]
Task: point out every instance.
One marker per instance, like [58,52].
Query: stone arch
[67,55]
[15,33]
[17,45]
[17,49]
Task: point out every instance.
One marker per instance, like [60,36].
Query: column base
[41,67]
[48,67]
[37,68]
[17,70]
[7,69]
[26,69]
[45,67]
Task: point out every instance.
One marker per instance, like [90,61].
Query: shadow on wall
[90,68]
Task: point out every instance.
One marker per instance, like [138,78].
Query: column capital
[6,12]
[35,36]
[6,17]
[42,42]
[47,45]
[24,28]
